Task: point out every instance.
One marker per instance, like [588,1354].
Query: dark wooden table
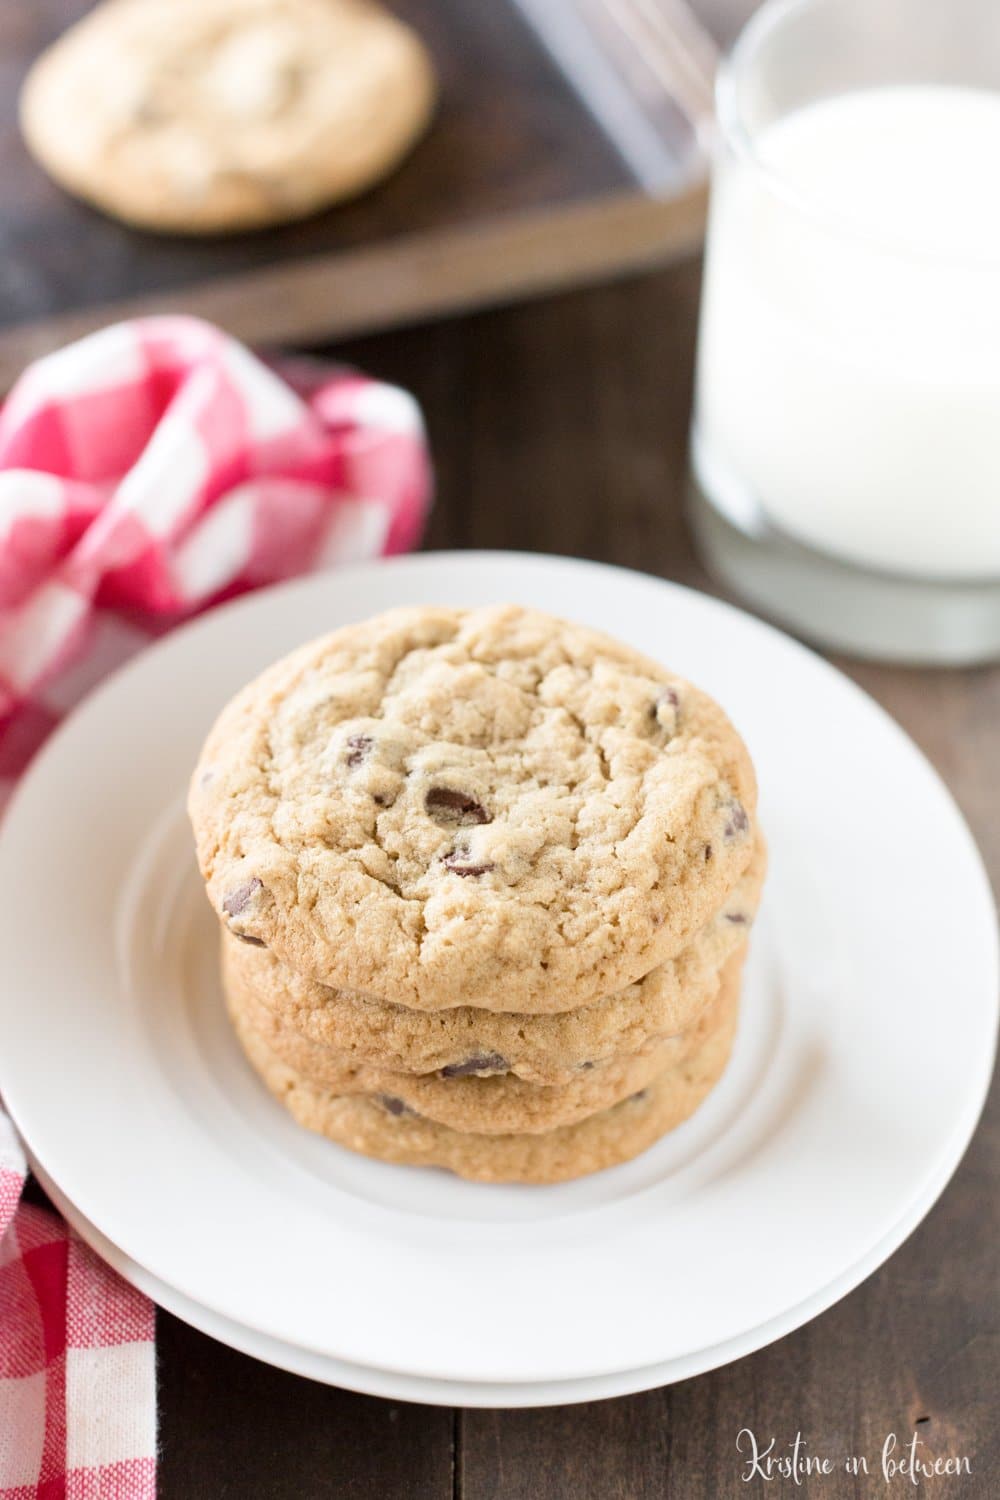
[560,427]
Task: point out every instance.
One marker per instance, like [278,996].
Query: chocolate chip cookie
[473,1042]
[497,1105]
[445,807]
[207,116]
[387,1129]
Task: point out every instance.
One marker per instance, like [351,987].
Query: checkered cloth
[147,472]
[77,1378]
[157,467]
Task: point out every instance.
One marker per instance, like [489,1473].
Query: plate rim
[570,1391]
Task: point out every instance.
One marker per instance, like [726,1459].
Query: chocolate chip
[735,917]
[393,1105]
[458,862]
[146,112]
[708,853]
[488,1062]
[585,1067]
[642,1094]
[238,900]
[254,942]
[738,822]
[445,805]
[664,710]
[358,747]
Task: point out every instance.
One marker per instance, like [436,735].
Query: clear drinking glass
[846,439]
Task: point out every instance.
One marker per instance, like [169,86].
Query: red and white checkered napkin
[77,1376]
[147,472]
[157,467]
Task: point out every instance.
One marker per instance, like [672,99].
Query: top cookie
[441,803]
[201,116]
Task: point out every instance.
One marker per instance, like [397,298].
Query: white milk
[850,345]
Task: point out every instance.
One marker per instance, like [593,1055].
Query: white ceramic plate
[865,1048]
[395,1386]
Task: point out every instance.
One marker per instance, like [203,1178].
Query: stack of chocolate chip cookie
[485,881]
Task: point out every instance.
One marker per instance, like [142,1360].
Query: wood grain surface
[561,427]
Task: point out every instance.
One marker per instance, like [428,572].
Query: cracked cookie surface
[441,807]
[469,1041]
[202,116]
[378,1128]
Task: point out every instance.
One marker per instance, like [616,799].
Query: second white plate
[395,1386]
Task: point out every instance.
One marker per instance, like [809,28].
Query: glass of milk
[846,437]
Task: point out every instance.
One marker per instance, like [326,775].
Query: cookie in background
[214,116]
